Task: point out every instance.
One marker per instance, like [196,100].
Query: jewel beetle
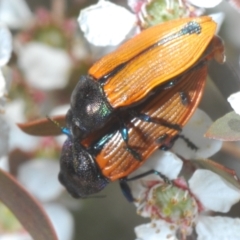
[128,76]
[88,165]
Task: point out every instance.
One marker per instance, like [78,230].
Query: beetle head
[89,107]
[79,173]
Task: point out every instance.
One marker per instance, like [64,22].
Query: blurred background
[110,216]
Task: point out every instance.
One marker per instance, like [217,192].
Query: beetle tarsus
[126,190]
[189,143]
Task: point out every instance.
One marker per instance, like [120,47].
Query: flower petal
[106,24]
[205,3]
[18,139]
[234,100]
[218,18]
[40,177]
[62,220]
[2,85]
[5,45]
[16,236]
[45,67]
[156,230]
[215,228]
[165,162]
[213,191]
[194,131]
[4,164]
[15,13]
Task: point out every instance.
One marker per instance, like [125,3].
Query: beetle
[88,165]
[128,76]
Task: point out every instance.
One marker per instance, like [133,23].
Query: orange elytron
[152,58]
[127,77]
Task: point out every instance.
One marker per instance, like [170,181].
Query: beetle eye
[76,132]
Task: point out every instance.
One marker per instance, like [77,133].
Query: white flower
[212,191]
[15,13]
[17,138]
[234,100]
[40,178]
[61,219]
[180,207]
[45,67]
[194,131]
[5,45]
[205,3]
[215,228]
[218,18]
[106,24]
[5,54]
[4,164]
[156,230]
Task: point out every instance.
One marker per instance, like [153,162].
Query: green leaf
[226,128]
[26,209]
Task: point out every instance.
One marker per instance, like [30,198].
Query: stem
[231,149]
[58,9]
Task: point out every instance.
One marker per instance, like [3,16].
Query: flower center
[52,36]
[175,205]
[158,11]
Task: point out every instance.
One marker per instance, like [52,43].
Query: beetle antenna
[64,130]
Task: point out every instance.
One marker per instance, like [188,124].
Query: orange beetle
[127,77]
[87,167]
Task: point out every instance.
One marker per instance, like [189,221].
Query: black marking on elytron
[191,27]
[135,154]
[117,69]
[184,98]
[161,139]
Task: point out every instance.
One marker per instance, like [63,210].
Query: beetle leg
[168,146]
[126,189]
[124,133]
[189,143]
[146,118]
